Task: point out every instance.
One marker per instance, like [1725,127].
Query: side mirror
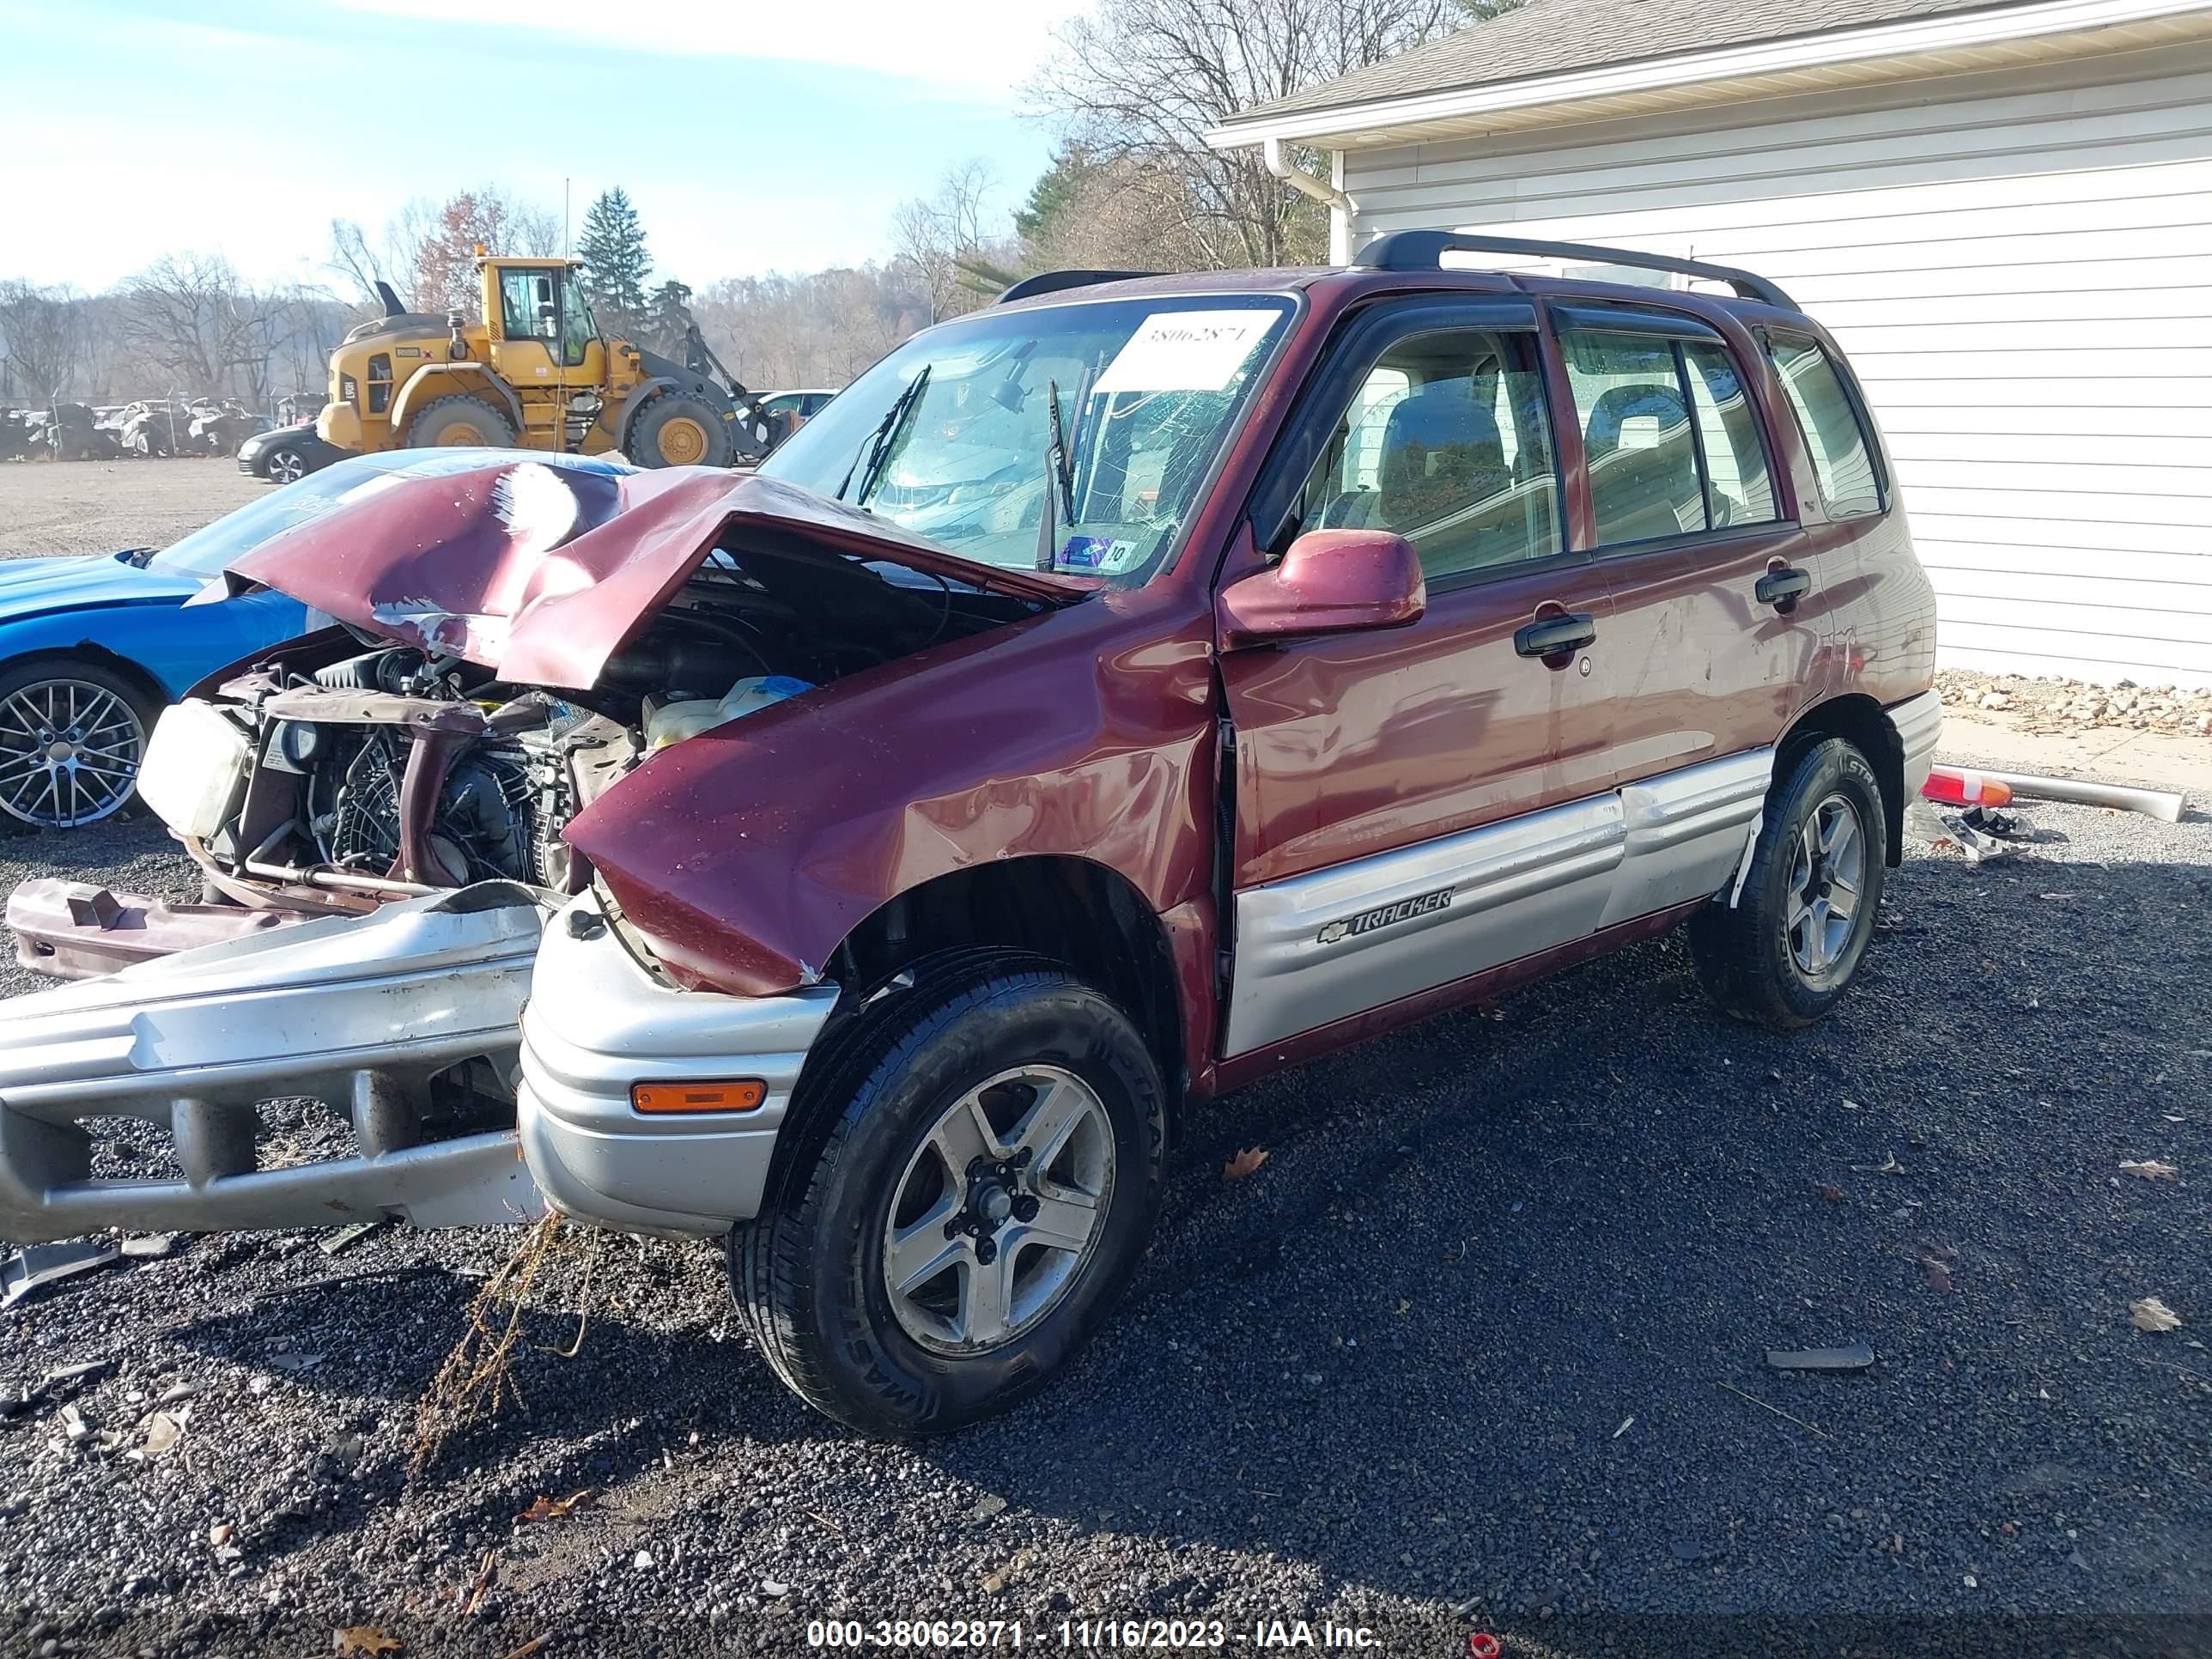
[1331,581]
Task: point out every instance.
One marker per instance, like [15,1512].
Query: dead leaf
[365,1640]
[555,1509]
[1936,1272]
[2152,1315]
[1244,1163]
[1833,1194]
[529,1647]
[2150,1169]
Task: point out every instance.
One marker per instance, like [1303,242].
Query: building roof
[1552,37]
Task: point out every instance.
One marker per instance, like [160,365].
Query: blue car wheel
[72,735]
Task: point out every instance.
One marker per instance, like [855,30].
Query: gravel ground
[98,506]
[1478,1347]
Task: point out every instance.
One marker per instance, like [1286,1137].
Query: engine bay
[349,768]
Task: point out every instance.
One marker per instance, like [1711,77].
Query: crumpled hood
[39,587]
[541,574]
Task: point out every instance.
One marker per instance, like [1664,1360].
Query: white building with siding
[2002,211]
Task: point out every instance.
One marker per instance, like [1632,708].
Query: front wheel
[72,737]
[971,1185]
[677,429]
[284,465]
[1783,956]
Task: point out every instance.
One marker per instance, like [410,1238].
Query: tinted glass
[1636,435]
[1446,443]
[1843,460]
[1738,487]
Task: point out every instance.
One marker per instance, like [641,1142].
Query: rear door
[1719,635]
[1416,804]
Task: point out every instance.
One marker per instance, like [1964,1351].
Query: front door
[1417,805]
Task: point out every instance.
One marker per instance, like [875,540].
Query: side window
[1738,490]
[1445,442]
[1637,437]
[518,304]
[1842,456]
[379,383]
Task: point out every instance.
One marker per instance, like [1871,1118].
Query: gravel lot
[1478,1347]
[98,506]
[1392,1374]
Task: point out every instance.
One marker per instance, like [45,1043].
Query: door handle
[1556,635]
[1783,588]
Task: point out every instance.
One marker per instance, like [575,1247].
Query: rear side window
[1642,458]
[1842,455]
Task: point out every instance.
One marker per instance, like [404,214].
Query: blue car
[91,648]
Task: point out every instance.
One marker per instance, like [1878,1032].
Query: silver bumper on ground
[357,1012]
[599,1023]
[1918,723]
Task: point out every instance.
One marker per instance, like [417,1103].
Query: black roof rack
[1423,250]
[1053,282]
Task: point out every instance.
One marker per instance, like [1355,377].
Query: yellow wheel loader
[535,373]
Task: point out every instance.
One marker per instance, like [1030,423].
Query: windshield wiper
[885,440]
[1058,488]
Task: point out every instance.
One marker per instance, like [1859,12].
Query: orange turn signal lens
[744,1094]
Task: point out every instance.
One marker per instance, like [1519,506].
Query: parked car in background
[796,407]
[1114,696]
[92,647]
[287,452]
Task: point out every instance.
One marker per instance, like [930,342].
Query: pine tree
[612,248]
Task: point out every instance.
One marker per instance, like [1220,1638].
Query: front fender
[747,855]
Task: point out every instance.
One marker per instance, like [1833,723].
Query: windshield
[204,553]
[953,436]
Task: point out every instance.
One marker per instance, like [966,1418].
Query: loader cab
[541,326]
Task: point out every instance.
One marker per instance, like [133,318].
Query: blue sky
[750,137]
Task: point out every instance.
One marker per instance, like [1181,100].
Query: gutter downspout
[1341,208]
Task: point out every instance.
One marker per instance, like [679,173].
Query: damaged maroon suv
[1112,698]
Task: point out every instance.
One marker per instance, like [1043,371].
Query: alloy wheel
[1827,874]
[999,1211]
[70,752]
[287,466]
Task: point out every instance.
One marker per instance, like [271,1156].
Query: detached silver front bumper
[597,1024]
[358,1013]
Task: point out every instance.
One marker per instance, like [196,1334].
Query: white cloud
[976,48]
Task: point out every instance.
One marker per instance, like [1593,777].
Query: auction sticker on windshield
[1187,350]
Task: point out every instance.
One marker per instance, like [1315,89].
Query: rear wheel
[72,736]
[970,1188]
[1783,956]
[677,429]
[460,421]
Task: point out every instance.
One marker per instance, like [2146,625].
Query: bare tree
[43,330]
[932,236]
[1138,84]
[427,250]
[185,313]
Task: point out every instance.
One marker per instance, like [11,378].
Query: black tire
[457,420]
[1752,960]
[22,813]
[678,429]
[809,1275]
